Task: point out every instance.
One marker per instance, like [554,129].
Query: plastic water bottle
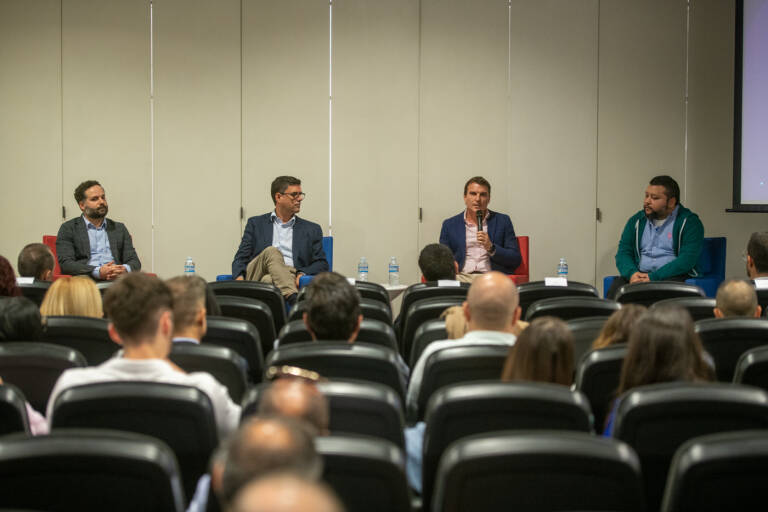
[562,268]
[394,272]
[189,267]
[362,269]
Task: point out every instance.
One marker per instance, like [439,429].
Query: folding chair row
[369,308]
[372,331]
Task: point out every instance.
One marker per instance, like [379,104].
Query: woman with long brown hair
[542,353]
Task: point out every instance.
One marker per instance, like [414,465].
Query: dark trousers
[621,281]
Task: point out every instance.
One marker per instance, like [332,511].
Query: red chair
[50,241]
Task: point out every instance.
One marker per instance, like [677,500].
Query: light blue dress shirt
[101,253]
[657,247]
[282,237]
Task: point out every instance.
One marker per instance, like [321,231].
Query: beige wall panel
[553,133]
[641,110]
[197,135]
[285,102]
[30,131]
[375,136]
[106,111]
[463,93]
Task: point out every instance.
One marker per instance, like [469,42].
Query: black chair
[719,472]
[374,291]
[454,365]
[568,308]
[180,416]
[13,410]
[419,312]
[656,420]
[76,470]
[228,367]
[725,339]
[372,331]
[367,474]
[462,410]
[254,311]
[35,367]
[89,336]
[356,408]
[369,308]
[428,290]
[533,291]
[35,291]
[267,293]
[360,361]
[585,330]
[241,337]
[752,368]
[648,293]
[429,331]
[699,308]
[597,376]
[762,298]
[531,471]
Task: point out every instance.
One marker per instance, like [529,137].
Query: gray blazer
[73,249]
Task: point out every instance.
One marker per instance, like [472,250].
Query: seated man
[36,261]
[478,249]
[757,256]
[661,242]
[437,264]
[736,297]
[139,308]
[92,244]
[189,320]
[285,492]
[279,247]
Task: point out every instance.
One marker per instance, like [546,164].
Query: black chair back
[13,410]
[369,308]
[35,291]
[89,336]
[372,331]
[254,311]
[597,376]
[752,368]
[429,331]
[726,339]
[228,367]
[267,293]
[699,308]
[568,308]
[35,367]
[533,291]
[429,290]
[240,336]
[374,291]
[648,293]
[421,311]
[762,298]
[585,330]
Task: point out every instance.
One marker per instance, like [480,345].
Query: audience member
[72,296]
[619,326]
[436,263]
[664,349]
[8,286]
[736,297]
[285,492]
[139,307]
[36,260]
[189,313]
[296,398]
[757,255]
[19,319]
[542,353]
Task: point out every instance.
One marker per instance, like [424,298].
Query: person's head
[736,297]
[618,326]
[663,348]
[757,255]
[92,200]
[8,286]
[140,310]
[477,194]
[492,303]
[661,196]
[296,398]
[286,492]
[333,308]
[264,445]
[72,296]
[436,262]
[19,319]
[543,353]
[188,306]
[287,195]
[36,260]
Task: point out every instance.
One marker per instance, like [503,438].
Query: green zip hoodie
[687,239]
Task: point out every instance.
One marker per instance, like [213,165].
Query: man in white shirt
[139,307]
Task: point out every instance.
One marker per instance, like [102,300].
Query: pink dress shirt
[478,259]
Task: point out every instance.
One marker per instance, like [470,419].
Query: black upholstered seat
[13,411]
[585,330]
[35,291]
[698,307]
[421,311]
[429,331]
[597,376]
[532,291]
[726,339]
[568,308]
[372,331]
[228,367]
[267,293]
[752,368]
[254,311]
[654,291]
[89,336]
[240,336]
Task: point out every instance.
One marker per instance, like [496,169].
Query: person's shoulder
[71,223]
[307,223]
[258,219]
[500,217]
[459,217]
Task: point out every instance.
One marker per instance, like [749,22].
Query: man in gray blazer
[92,244]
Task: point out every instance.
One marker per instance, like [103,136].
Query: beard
[97,213]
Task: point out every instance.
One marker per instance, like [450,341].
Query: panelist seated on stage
[92,244]
[757,256]
[492,247]
[279,247]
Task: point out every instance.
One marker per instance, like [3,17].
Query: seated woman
[19,320]
[8,286]
[72,296]
[665,349]
[618,326]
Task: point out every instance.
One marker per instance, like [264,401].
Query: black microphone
[479,214]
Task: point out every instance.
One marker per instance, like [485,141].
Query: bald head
[296,398]
[492,303]
[286,493]
[736,297]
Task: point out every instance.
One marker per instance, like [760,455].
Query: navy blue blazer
[308,254]
[499,228]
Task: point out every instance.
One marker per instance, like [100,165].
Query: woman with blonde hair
[72,296]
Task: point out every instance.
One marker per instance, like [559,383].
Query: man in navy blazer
[494,247]
[279,247]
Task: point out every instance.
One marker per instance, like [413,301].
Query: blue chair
[305,280]
[711,264]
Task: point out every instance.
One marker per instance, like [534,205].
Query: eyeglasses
[278,372]
[296,195]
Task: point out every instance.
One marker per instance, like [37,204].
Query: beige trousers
[466,278]
[269,267]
